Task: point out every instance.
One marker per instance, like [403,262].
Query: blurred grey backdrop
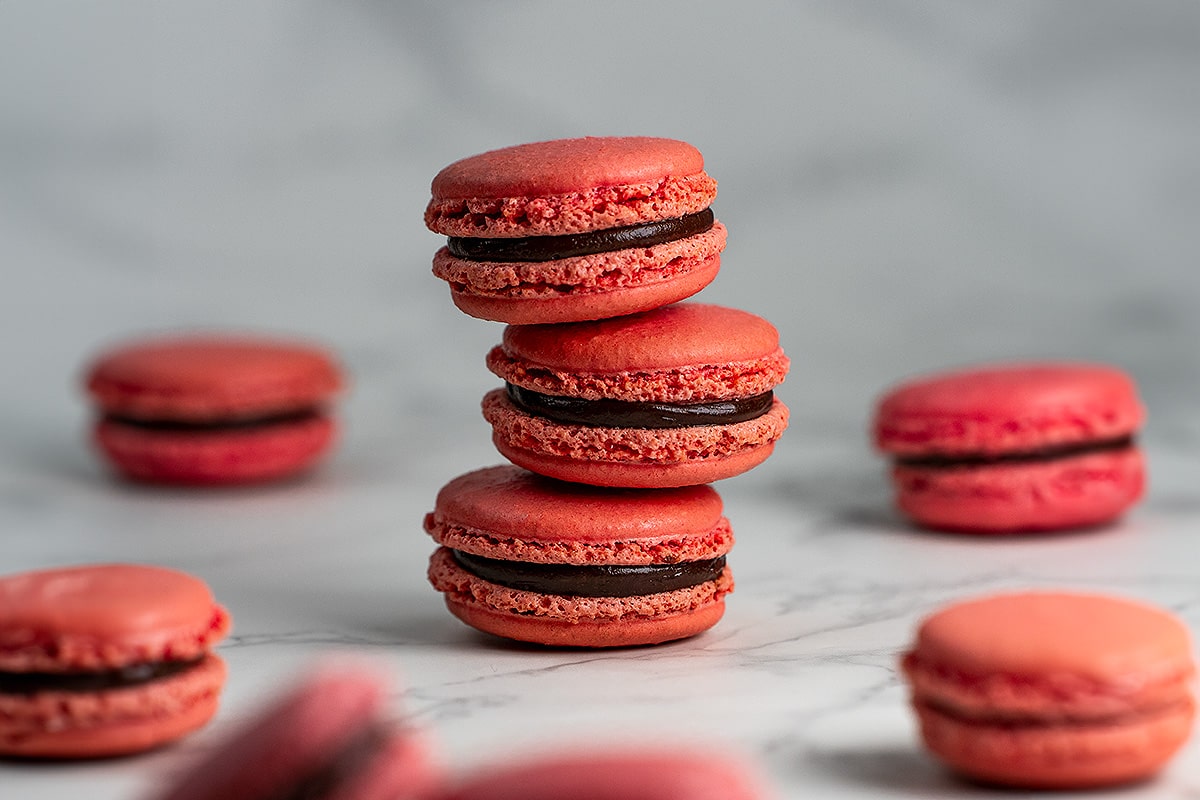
[907,185]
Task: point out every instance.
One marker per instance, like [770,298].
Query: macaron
[1052,690]
[329,736]
[1014,447]
[214,409]
[676,396]
[105,660]
[650,773]
[575,229]
[537,560]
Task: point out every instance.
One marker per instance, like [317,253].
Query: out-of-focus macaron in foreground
[1053,689]
[538,560]
[1009,448]
[575,229]
[105,660]
[677,396]
[329,736]
[214,408]
[654,772]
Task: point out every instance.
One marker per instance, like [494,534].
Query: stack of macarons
[619,403]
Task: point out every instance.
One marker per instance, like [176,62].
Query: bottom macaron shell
[579,306]
[216,457]
[402,768]
[1057,494]
[60,725]
[562,620]
[635,458]
[1057,756]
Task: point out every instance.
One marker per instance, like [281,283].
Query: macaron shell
[1008,408]
[62,725]
[1067,756]
[684,335]
[104,616]
[220,456]
[206,377]
[521,516]
[569,186]
[554,632]
[632,457]
[403,769]
[602,298]
[649,773]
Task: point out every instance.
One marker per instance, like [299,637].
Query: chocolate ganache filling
[121,678]
[628,414]
[549,248]
[207,426]
[592,580]
[946,461]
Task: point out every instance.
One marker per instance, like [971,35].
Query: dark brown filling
[593,580]
[329,775]
[208,426]
[627,414]
[1041,454]
[549,248]
[124,677]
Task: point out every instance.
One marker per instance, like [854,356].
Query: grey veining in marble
[907,185]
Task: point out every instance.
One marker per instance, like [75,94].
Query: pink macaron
[1053,689]
[329,736]
[676,396]
[1014,447]
[105,660]
[647,773]
[537,560]
[213,408]
[575,229]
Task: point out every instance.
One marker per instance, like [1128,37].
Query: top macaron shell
[569,186]
[1007,408]
[212,377]
[506,512]
[104,617]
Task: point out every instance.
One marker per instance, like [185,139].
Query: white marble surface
[907,186]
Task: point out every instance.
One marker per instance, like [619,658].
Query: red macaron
[1053,690]
[575,229]
[105,660]
[1016,447]
[676,396]
[650,773]
[214,409]
[537,560]
[329,736]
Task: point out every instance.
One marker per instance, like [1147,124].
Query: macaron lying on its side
[105,660]
[214,409]
[327,737]
[537,560]
[1052,689]
[677,396]
[1017,447]
[575,229]
[650,773]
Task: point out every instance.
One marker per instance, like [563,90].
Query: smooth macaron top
[569,186]
[104,616]
[506,501]
[566,165]
[681,352]
[212,377]
[1007,408]
[1085,654]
